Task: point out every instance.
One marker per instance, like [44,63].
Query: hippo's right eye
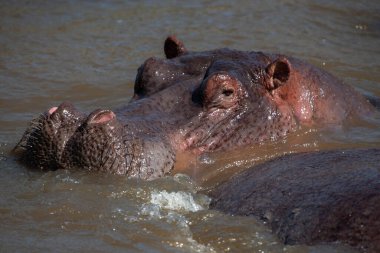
[219,91]
[228,92]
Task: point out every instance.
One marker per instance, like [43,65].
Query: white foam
[176,201]
[175,204]
[151,210]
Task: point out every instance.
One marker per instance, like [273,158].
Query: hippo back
[310,198]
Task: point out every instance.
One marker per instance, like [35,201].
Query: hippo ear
[173,47]
[278,72]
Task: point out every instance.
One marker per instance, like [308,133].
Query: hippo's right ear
[278,73]
[173,47]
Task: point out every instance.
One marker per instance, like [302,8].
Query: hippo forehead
[223,57]
[157,74]
[234,68]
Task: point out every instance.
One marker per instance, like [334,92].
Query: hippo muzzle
[63,137]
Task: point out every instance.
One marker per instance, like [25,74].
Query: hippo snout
[101,116]
[63,137]
[44,141]
[65,113]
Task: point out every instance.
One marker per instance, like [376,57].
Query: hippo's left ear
[278,72]
[173,47]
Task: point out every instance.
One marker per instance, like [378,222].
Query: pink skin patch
[52,110]
[103,117]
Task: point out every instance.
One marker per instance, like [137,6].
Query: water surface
[88,52]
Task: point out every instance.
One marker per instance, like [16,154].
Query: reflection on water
[88,53]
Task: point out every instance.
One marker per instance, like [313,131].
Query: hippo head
[189,102]
[237,93]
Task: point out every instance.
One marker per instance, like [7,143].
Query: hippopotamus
[310,198]
[194,102]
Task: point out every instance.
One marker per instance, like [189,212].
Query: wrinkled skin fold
[194,102]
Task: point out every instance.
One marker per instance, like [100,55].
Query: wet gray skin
[310,198]
[191,101]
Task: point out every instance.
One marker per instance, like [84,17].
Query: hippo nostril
[52,110]
[64,112]
[63,108]
[101,116]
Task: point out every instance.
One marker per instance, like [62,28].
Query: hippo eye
[228,92]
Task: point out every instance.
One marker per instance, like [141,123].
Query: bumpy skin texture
[65,138]
[310,198]
[191,101]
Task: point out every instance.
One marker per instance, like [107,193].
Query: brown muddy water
[87,52]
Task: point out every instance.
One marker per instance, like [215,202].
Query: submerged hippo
[195,102]
[311,198]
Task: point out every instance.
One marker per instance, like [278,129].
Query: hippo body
[311,198]
[191,102]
